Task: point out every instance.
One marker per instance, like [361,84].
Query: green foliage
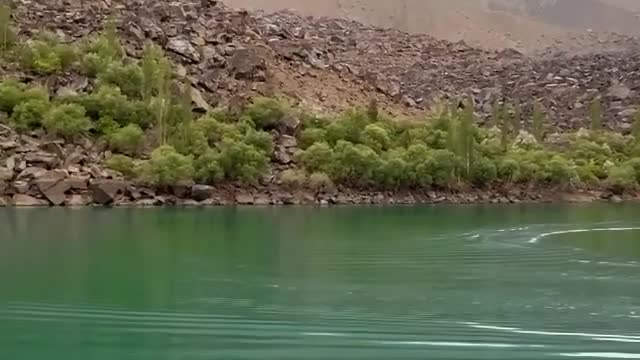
[29,114]
[392,171]
[122,164]
[215,131]
[109,102]
[634,163]
[208,169]
[347,128]
[320,181]
[442,166]
[483,172]
[7,36]
[127,140]
[418,158]
[66,120]
[559,170]
[293,178]
[47,55]
[311,136]
[266,113]
[621,179]
[242,162]
[317,158]
[101,51]
[353,164]
[595,111]
[260,140]
[538,121]
[376,137]
[129,78]
[189,140]
[167,167]
[12,93]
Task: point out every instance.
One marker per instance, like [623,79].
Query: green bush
[634,163]
[46,55]
[317,158]
[167,167]
[66,120]
[208,168]
[122,164]
[347,128]
[320,181]
[418,157]
[266,113]
[354,164]
[392,171]
[560,170]
[261,140]
[12,93]
[101,51]
[109,102]
[376,138]
[215,131]
[586,174]
[128,78]
[188,139]
[483,171]
[127,140]
[242,162]
[29,115]
[508,169]
[293,178]
[621,179]
[442,166]
[311,136]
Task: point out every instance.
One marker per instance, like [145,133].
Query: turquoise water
[443,282]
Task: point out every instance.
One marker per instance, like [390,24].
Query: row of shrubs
[142,112]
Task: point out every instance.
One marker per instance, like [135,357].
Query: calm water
[531,282]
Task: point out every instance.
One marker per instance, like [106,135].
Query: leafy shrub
[208,168]
[215,131]
[101,51]
[13,93]
[311,136]
[266,113]
[29,115]
[242,162]
[621,179]
[128,78]
[442,166]
[126,140]
[188,139]
[317,158]
[391,172]
[483,171]
[559,170]
[293,178]
[347,128]
[46,55]
[354,164]
[586,174]
[167,167]
[261,140]
[66,120]
[122,164]
[109,102]
[635,165]
[376,137]
[417,158]
[508,169]
[320,181]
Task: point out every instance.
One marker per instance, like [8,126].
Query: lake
[431,282]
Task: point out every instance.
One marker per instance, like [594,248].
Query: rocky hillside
[333,64]
[526,25]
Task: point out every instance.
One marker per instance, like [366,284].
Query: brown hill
[332,64]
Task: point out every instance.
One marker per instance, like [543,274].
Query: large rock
[246,63]
[26,200]
[201,192]
[57,193]
[105,192]
[183,47]
[78,200]
[6,174]
[245,199]
[45,159]
[289,125]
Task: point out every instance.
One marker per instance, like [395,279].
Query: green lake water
[441,282]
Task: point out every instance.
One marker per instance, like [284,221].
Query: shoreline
[70,192]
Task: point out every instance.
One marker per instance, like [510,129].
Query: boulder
[288,141]
[288,125]
[183,47]
[200,104]
[3,201]
[201,192]
[105,191]
[245,199]
[78,200]
[6,174]
[31,173]
[26,201]
[56,194]
[78,182]
[42,158]
[246,63]
[21,187]
[3,187]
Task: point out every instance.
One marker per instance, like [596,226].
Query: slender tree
[516,119]
[7,37]
[596,114]
[538,121]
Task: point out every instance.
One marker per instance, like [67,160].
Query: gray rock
[28,201]
[245,63]
[21,187]
[262,200]
[288,141]
[3,188]
[105,191]
[184,48]
[78,200]
[31,173]
[198,100]
[281,155]
[149,202]
[42,158]
[56,194]
[201,192]
[288,125]
[54,148]
[8,145]
[3,201]
[619,91]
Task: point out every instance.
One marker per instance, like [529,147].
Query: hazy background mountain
[521,24]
